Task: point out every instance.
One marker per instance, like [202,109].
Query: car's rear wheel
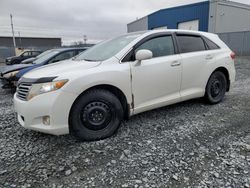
[96,115]
[216,88]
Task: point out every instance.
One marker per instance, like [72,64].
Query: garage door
[191,25]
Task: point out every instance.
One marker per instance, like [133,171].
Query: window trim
[205,38]
[146,39]
[190,35]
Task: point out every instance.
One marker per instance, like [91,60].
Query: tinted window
[35,53]
[211,45]
[26,54]
[63,56]
[190,43]
[160,46]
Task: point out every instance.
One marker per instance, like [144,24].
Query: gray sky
[71,19]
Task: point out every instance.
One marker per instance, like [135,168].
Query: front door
[156,82]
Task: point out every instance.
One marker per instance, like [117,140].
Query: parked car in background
[89,95]
[32,59]
[11,74]
[24,55]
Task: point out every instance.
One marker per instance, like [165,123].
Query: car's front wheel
[216,88]
[95,115]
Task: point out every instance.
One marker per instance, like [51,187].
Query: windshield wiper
[89,60]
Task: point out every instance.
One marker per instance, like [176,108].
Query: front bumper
[55,104]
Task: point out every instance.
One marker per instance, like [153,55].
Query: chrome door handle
[175,63]
[208,57]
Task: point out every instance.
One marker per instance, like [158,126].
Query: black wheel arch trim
[225,71]
[126,106]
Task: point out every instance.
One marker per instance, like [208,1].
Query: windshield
[46,56]
[107,49]
[44,53]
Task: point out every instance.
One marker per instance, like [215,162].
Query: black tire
[95,115]
[216,88]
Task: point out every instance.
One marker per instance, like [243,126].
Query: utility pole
[20,40]
[85,39]
[13,34]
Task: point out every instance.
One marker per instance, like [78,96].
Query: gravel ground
[191,144]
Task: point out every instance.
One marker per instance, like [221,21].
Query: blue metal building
[173,16]
[228,19]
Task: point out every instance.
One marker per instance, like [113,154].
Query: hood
[60,68]
[9,58]
[27,69]
[10,68]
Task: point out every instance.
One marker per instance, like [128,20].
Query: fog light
[46,120]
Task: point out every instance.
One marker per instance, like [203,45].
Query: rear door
[195,60]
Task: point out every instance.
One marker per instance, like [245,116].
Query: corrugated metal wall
[7,49]
[239,42]
[172,16]
[138,25]
[6,52]
[227,16]
[27,42]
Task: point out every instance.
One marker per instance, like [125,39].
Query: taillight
[233,55]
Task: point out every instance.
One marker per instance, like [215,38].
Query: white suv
[91,94]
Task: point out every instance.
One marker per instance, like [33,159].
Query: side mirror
[143,55]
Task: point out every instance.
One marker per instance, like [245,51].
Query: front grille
[23,91]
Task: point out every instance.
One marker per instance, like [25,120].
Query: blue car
[11,74]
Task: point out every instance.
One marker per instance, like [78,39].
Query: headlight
[10,74]
[38,89]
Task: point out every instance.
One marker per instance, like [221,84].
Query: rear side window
[211,45]
[190,43]
[160,46]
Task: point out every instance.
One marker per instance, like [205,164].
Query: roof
[232,3]
[171,31]
[73,48]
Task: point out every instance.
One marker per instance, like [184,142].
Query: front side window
[190,43]
[160,46]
